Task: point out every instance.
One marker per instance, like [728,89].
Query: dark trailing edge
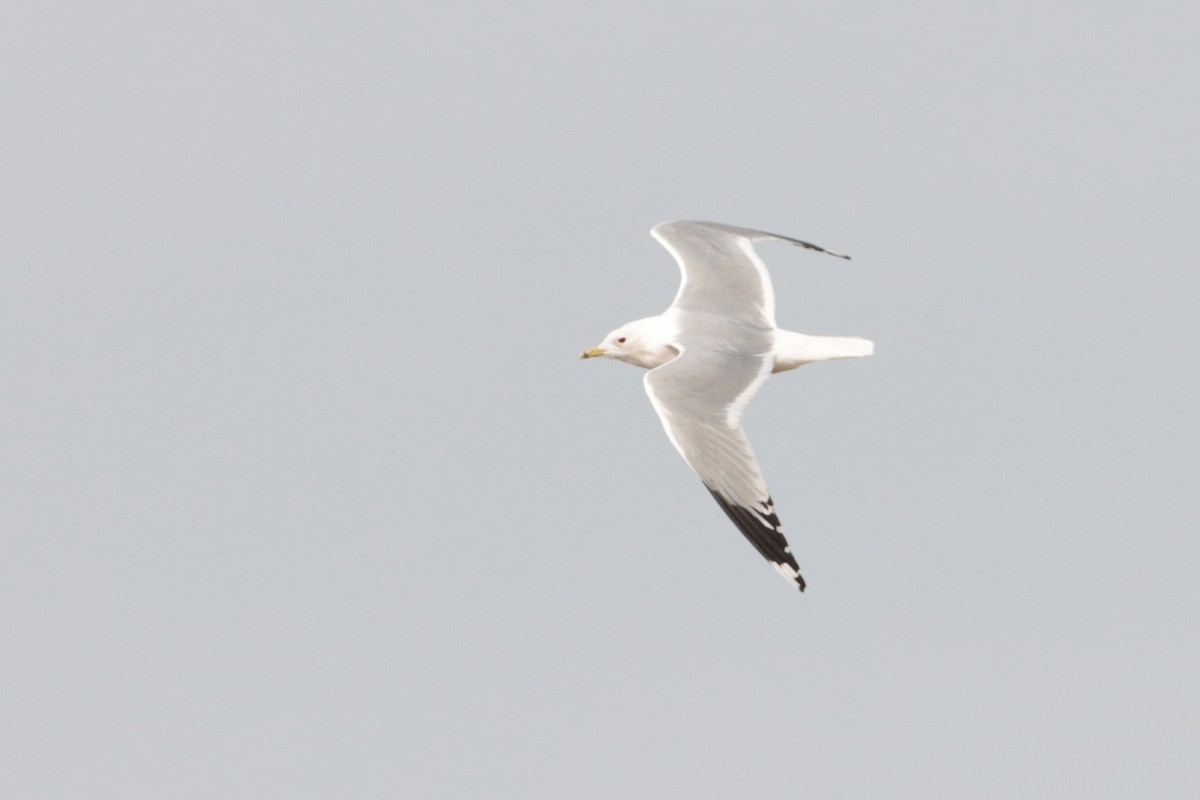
[763,532]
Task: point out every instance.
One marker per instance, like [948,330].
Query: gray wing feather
[699,397]
[692,395]
[721,272]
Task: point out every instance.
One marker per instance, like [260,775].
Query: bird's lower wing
[700,415]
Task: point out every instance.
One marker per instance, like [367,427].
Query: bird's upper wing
[699,396]
[721,273]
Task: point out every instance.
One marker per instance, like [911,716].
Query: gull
[707,355]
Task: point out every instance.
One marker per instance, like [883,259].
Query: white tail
[793,349]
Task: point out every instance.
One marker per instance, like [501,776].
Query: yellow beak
[593,353]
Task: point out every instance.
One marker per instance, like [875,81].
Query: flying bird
[707,355]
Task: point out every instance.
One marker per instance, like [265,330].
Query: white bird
[708,353]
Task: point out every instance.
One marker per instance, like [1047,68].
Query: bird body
[708,354]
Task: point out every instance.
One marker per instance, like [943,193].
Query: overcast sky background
[305,493]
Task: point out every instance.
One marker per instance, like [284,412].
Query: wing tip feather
[762,530]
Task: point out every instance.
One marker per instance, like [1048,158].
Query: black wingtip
[811,246]
[762,529]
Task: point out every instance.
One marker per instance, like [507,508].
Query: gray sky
[306,495]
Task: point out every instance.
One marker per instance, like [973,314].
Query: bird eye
[621,340]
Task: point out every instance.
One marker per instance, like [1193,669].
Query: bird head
[643,343]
